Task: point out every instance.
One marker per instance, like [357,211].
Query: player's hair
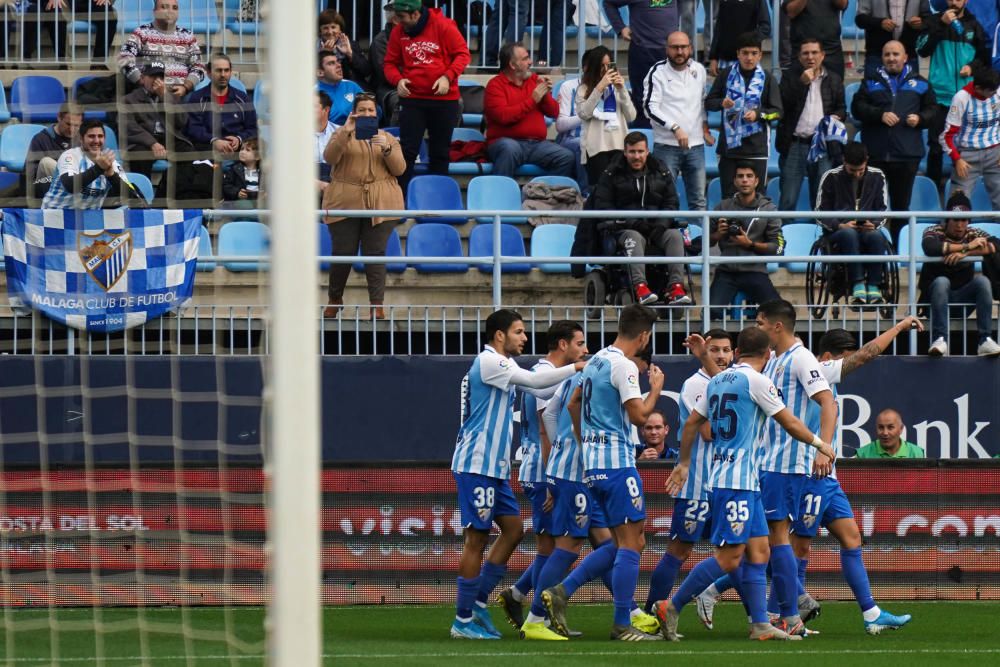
[635,320]
[753,342]
[718,333]
[633,138]
[749,40]
[985,77]
[811,40]
[507,54]
[500,320]
[855,153]
[561,330]
[324,100]
[837,341]
[778,310]
[87,125]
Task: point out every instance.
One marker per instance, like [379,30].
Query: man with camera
[742,238]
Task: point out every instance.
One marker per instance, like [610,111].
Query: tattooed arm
[856,360]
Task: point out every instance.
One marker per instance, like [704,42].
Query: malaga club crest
[581,520]
[737,527]
[484,513]
[105,256]
[809,520]
[689,526]
[637,503]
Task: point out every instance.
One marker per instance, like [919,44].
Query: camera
[735,229]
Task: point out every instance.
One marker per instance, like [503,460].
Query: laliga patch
[737,527]
[632,380]
[504,363]
[772,390]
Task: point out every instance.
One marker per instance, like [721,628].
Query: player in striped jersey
[566,345]
[972,134]
[736,402]
[481,467]
[691,516]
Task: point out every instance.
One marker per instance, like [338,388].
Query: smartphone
[612,66]
[365,127]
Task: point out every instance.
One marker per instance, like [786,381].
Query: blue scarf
[830,129]
[746,98]
[609,109]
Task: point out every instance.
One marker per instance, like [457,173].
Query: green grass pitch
[941,633]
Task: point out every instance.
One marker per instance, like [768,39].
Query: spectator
[652,23]
[637,181]
[86,175]
[553,35]
[892,107]
[162,41]
[324,132]
[514,14]
[953,48]
[333,37]
[749,98]
[737,17]
[855,186]
[569,125]
[364,177]
[674,100]
[890,20]
[331,81]
[43,14]
[889,443]
[972,134]
[516,103]
[220,117]
[745,238]
[818,19]
[241,180]
[654,438]
[385,93]
[606,109]
[955,281]
[424,58]
[46,147]
[811,96]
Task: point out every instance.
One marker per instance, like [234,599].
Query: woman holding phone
[364,164]
[606,109]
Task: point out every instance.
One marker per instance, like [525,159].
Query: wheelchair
[827,284]
[610,284]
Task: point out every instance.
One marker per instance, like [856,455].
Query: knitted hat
[958,202]
[407,5]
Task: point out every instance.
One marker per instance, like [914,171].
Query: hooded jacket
[950,48]
[759,230]
[431,49]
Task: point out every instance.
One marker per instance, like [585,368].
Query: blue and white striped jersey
[978,121]
[697,486]
[831,371]
[610,379]
[91,196]
[737,401]
[483,443]
[531,443]
[566,457]
[798,377]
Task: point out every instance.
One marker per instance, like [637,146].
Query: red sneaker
[677,296]
[645,296]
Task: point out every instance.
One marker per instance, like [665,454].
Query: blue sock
[536,568]
[526,583]
[784,573]
[772,598]
[466,597]
[803,564]
[624,577]
[853,567]
[662,580]
[597,563]
[723,584]
[754,583]
[735,579]
[550,575]
[700,578]
[489,577]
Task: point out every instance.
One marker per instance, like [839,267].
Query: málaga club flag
[100,270]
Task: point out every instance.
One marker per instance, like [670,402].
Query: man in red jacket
[424,58]
[516,103]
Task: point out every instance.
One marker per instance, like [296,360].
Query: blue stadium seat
[324,246]
[242,29]
[553,240]
[468,168]
[498,193]
[433,239]
[435,193]
[470,119]
[979,196]
[945,159]
[36,98]
[848,29]
[4,111]
[849,91]
[142,184]
[555,181]
[14,142]
[772,158]
[244,237]
[649,136]
[511,245]
[260,102]
[204,250]
[904,242]
[234,82]
[712,158]
[799,240]
[75,94]
[393,248]
[198,16]
[925,195]
[714,193]
[110,138]
[773,191]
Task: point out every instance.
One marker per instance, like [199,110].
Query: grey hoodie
[760,230]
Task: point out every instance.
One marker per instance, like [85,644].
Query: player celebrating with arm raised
[736,402]
[481,467]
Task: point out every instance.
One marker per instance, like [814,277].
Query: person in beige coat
[363,176]
[606,109]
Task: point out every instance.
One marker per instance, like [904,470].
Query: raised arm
[857,359]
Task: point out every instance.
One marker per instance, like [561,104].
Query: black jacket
[899,142]
[234,179]
[756,145]
[619,188]
[793,100]
[839,192]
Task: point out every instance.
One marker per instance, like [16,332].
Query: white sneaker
[939,348]
[988,348]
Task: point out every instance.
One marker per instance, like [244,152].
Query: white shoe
[939,348]
[988,348]
[706,608]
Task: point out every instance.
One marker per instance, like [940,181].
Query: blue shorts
[736,516]
[781,494]
[482,498]
[619,492]
[541,521]
[692,520]
[823,502]
[574,511]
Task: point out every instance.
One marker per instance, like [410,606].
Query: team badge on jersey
[689,526]
[737,527]
[581,520]
[484,513]
[637,503]
[809,520]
